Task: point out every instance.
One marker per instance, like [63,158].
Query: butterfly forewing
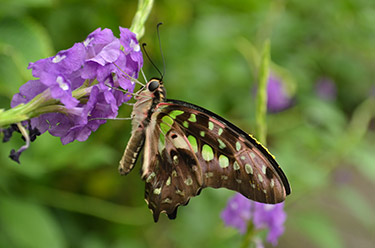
[227,156]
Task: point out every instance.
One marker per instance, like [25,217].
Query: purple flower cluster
[96,67]
[240,211]
[277,98]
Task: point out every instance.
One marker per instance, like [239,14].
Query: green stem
[249,235]
[261,101]
[261,126]
[143,11]
[24,112]
[41,104]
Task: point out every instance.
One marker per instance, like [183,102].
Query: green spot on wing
[168,181]
[192,118]
[248,169]
[238,146]
[207,152]
[175,113]
[223,161]
[188,181]
[208,174]
[150,177]
[167,120]
[164,128]
[162,139]
[220,131]
[202,133]
[221,144]
[157,191]
[210,125]
[193,143]
[186,124]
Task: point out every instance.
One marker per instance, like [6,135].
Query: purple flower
[277,98]
[326,89]
[271,217]
[237,213]
[94,68]
[27,92]
[240,210]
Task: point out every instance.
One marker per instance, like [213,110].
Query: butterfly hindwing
[170,168]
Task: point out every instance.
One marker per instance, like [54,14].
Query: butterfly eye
[153,85]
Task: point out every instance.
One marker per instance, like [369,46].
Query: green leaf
[21,41]
[320,229]
[10,79]
[26,37]
[29,225]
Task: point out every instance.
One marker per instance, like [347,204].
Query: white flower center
[62,84]
[58,58]
[87,41]
[135,46]
[268,207]
[234,205]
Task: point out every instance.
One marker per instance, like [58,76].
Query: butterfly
[188,148]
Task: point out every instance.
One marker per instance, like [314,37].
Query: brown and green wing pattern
[170,168]
[189,148]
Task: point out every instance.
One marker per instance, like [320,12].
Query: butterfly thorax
[146,102]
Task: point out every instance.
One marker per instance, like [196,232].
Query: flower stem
[41,104]
[261,102]
[143,11]
[24,112]
[249,235]
[261,126]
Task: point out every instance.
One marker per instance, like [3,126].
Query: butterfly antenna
[161,50]
[128,76]
[143,74]
[114,119]
[125,91]
[144,49]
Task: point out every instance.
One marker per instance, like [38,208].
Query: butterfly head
[155,88]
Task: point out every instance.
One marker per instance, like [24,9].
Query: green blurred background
[73,196]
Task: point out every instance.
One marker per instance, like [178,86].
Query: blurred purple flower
[240,210]
[237,213]
[271,217]
[95,67]
[326,89]
[277,98]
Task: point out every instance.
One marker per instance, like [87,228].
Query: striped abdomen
[132,150]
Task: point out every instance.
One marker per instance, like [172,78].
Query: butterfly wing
[189,148]
[170,167]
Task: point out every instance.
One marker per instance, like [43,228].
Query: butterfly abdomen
[131,153]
